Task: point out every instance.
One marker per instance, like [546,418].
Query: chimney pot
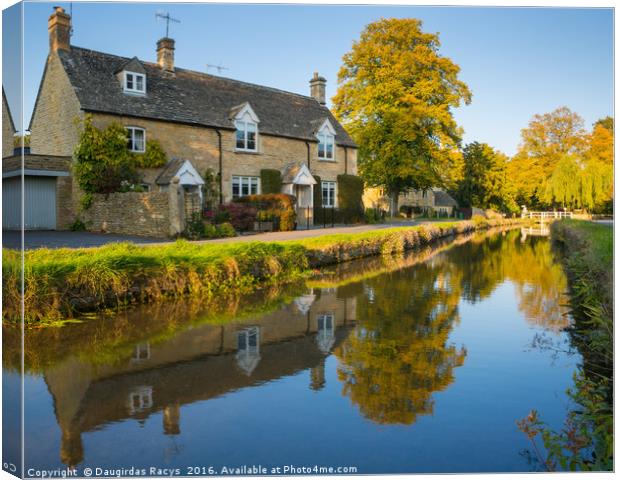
[165,54]
[317,88]
[59,29]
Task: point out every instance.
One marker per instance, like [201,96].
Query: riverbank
[587,441]
[62,283]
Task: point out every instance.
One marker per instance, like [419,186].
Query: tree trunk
[394,202]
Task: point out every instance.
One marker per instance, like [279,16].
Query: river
[418,363]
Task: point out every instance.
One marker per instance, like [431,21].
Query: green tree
[396,94]
[102,160]
[484,183]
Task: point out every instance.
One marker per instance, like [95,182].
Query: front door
[304,206]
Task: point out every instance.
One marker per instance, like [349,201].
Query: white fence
[547,215]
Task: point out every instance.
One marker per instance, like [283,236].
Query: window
[325,331]
[326,146]
[246,135]
[248,349]
[135,82]
[140,399]
[242,186]
[329,194]
[142,352]
[136,139]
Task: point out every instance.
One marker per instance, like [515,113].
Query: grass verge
[586,441]
[58,284]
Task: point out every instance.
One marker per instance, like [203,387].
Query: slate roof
[169,171]
[192,97]
[443,199]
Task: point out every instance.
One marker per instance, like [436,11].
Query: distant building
[432,201]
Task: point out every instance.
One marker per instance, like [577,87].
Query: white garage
[39,202]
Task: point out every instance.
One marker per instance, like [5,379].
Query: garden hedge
[271,181]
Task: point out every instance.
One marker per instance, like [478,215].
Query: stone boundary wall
[132,213]
[145,214]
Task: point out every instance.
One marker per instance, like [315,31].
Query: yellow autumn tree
[396,94]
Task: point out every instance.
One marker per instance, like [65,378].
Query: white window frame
[131,132]
[326,139]
[243,180]
[242,125]
[134,80]
[331,197]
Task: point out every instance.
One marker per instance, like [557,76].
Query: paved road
[53,239]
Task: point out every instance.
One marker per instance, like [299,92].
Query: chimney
[59,28]
[317,88]
[165,54]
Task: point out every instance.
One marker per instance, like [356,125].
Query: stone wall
[53,128]
[192,204]
[200,145]
[132,213]
[7,129]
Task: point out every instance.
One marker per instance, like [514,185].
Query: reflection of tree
[398,354]
[538,279]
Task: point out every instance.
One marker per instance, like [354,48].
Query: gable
[184,169]
[52,125]
[326,127]
[245,113]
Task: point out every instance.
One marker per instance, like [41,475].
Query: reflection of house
[235,129]
[217,358]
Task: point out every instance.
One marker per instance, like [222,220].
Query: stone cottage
[203,122]
[433,201]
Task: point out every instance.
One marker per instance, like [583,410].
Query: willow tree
[544,142]
[396,94]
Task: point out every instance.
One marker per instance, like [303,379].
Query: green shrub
[372,216]
[271,181]
[317,193]
[153,156]
[210,231]
[194,227]
[77,226]
[226,230]
[350,191]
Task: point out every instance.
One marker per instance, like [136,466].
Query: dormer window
[136,139]
[326,136]
[135,82]
[246,123]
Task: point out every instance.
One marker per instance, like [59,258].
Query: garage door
[39,203]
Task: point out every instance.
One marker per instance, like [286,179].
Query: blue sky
[516,61]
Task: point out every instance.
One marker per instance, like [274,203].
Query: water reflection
[387,322]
